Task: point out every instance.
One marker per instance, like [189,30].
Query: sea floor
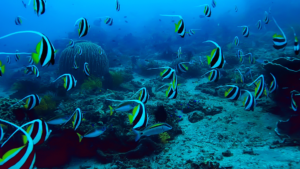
[234,138]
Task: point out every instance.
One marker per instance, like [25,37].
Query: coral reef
[46,107]
[98,63]
[164,137]
[91,84]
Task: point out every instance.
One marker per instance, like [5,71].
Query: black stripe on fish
[181,30]
[234,94]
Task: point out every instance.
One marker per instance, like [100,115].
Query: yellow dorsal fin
[74,118]
[209,77]
[227,92]
[26,104]
[10,153]
[185,66]
[24,138]
[244,102]
[208,59]
[65,82]
[134,111]
[80,137]
[177,25]
[140,95]
[3,69]
[161,73]
[167,92]
[213,52]
[256,88]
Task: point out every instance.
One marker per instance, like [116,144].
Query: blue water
[138,30]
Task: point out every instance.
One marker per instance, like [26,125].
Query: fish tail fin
[138,135]
[80,137]
[111,110]
[24,139]
[35,57]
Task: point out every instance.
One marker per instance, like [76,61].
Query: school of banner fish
[37,131]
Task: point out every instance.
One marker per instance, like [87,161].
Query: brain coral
[98,62]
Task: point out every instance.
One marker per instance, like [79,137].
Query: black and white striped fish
[249,102]
[294,105]
[100,50]
[214,75]
[32,101]
[75,63]
[71,43]
[179,27]
[79,51]
[181,67]
[83,27]
[32,69]
[258,25]
[109,21]
[207,10]
[144,95]
[245,31]
[30,60]
[8,59]
[38,131]
[236,41]
[17,56]
[117,5]
[69,81]
[18,20]
[273,85]
[39,7]
[179,53]
[2,69]
[279,41]
[251,58]
[213,3]
[191,32]
[139,117]
[266,19]
[216,60]
[242,58]
[18,157]
[45,52]
[239,53]
[240,75]
[233,93]
[296,43]
[77,118]
[86,69]
[171,92]
[259,86]
[167,73]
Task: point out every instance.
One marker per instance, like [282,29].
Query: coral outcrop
[98,62]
